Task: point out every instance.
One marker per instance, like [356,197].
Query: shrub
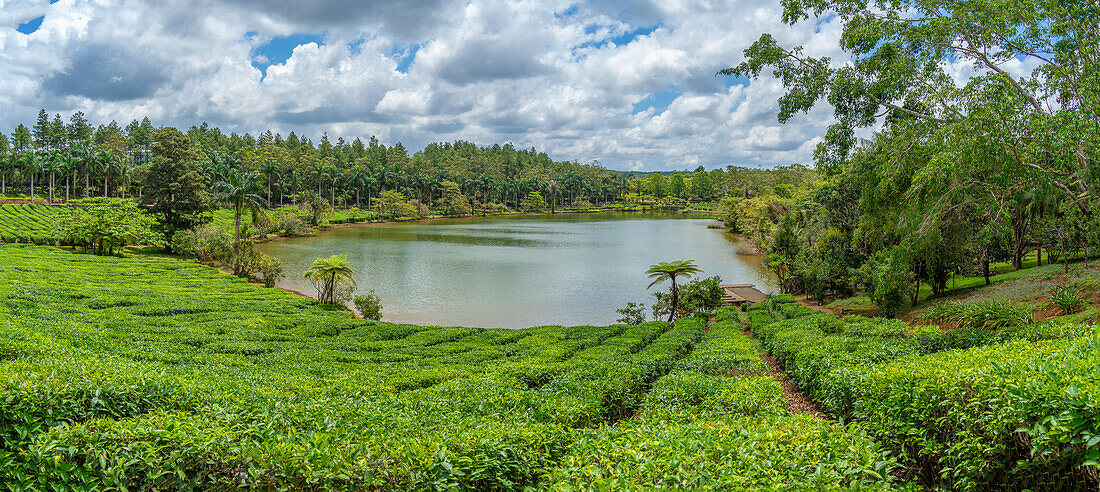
[291,225]
[969,408]
[983,313]
[696,297]
[891,281]
[705,396]
[633,313]
[1068,298]
[208,242]
[731,453]
[261,267]
[369,305]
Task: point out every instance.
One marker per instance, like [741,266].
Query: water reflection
[519,271]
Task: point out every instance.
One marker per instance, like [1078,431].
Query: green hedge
[966,408]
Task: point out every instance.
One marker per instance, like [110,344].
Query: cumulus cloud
[628,83]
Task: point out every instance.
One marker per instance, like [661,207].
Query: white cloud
[536,73]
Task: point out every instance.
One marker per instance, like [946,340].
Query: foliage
[175,186]
[669,271]
[241,191]
[1068,298]
[258,266]
[106,224]
[393,205]
[333,278]
[208,242]
[695,297]
[29,223]
[632,314]
[452,199]
[982,313]
[891,282]
[160,374]
[533,201]
[369,305]
[966,408]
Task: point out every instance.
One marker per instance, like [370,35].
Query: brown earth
[797,401]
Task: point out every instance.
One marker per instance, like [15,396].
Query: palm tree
[271,171]
[333,174]
[70,164]
[327,274]
[241,191]
[369,183]
[552,190]
[52,166]
[123,170]
[318,173]
[106,161]
[32,164]
[670,270]
[357,179]
[293,184]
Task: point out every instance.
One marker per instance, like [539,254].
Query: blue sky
[629,83]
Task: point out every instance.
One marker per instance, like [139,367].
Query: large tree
[241,190]
[175,185]
[902,52]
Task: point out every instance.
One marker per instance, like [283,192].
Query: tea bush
[968,408]
[29,223]
[698,430]
[145,373]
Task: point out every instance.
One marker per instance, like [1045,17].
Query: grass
[959,285]
[153,373]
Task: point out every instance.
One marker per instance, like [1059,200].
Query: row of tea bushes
[719,422]
[28,223]
[144,373]
[966,408]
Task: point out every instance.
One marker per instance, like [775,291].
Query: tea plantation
[28,223]
[144,373]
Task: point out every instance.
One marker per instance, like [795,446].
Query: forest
[926,176]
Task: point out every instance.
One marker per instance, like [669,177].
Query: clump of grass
[984,313]
[1068,298]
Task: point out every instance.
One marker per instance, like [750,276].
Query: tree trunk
[1065,259]
[236,240]
[1039,257]
[104,185]
[87,183]
[985,270]
[675,301]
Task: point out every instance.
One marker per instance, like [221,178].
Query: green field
[28,223]
[143,373]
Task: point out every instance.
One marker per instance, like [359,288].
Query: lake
[519,271]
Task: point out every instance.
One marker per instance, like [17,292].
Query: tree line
[55,159]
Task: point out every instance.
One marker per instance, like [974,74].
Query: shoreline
[318,229]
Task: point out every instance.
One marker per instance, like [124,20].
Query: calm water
[573,269]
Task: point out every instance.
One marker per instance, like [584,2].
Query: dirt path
[797,401]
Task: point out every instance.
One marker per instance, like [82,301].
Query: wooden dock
[740,294]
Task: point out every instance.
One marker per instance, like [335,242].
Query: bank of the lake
[518,271]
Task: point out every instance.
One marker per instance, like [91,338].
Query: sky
[628,84]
